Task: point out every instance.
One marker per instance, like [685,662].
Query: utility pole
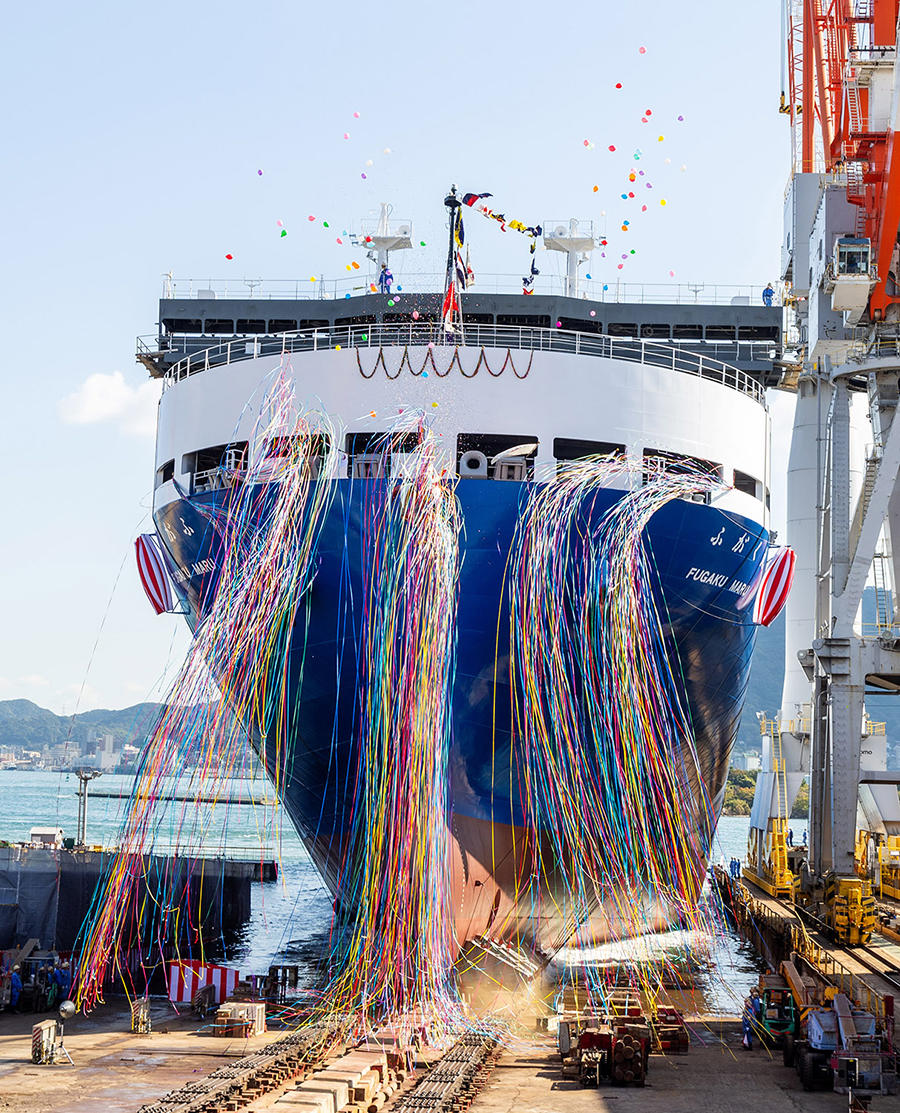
[84,777]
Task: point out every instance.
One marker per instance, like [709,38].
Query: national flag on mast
[450,309]
[469,199]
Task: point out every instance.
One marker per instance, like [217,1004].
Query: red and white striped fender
[774,585]
[152,571]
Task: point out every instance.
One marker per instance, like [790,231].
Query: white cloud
[108,398]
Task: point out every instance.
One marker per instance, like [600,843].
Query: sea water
[290,918]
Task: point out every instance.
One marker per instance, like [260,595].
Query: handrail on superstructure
[320,287]
[513,337]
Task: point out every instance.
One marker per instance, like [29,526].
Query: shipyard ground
[719,1077]
[117,1072]
[114,1071]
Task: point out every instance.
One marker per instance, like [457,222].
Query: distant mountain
[767,678]
[24,724]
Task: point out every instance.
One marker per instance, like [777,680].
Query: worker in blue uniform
[15,989]
[768,296]
[751,1017]
[63,979]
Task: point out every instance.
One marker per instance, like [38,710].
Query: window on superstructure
[282,324]
[369,454]
[622,328]
[759,332]
[173,325]
[747,485]
[505,456]
[216,467]
[657,460]
[687,332]
[246,324]
[576,324]
[165,473]
[720,332]
[523,319]
[219,325]
[280,447]
[655,332]
[573,448]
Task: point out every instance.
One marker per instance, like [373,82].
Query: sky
[133,136]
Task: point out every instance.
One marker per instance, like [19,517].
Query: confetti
[356,117]
[662,201]
[310,218]
[660,138]
[363,176]
[312,278]
[681,119]
[388,151]
[229,256]
[647,112]
[596,188]
[365,336]
[355,266]
[369,162]
[346,134]
[434,405]
[618,84]
[324,223]
[642,50]
[279,223]
[594,311]
[671,274]
[259,172]
[415,314]
[339,240]
[611,147]
[337,347]
[421,243]
[283,232]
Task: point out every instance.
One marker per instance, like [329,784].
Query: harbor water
[290,917]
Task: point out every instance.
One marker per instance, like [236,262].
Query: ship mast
[451,312]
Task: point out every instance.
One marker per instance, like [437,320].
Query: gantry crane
[841,94]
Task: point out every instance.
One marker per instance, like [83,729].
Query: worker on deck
[385,279]
[768,296]
[15,990]
[790,836]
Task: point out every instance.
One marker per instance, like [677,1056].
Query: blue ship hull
[704,558]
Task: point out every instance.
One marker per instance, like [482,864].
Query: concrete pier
[45,892]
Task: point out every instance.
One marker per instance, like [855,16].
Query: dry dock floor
[114,1071]
[716,1078]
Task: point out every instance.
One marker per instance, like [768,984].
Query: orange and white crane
[841,94]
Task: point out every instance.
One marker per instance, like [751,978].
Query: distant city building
[748,763]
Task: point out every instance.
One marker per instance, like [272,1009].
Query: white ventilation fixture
[512,468]
[473,465]
[369,467]
[206,295]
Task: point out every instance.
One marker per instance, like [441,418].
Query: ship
[534,376]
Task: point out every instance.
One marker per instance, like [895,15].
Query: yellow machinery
[889,867]
[775,876]
[850,909]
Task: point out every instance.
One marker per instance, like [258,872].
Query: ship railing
[519,337]
[319,287]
